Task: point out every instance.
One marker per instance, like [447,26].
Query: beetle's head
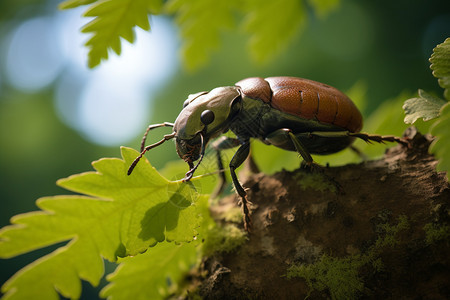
[204,116]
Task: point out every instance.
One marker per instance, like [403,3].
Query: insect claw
[188,176]
[308,166]
[248,224]
[244,203]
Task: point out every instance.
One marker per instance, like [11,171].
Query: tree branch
[383,233]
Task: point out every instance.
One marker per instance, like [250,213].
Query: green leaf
[145,276]
[120,215]
[74,3]
[425,106]
[441,145]
[440,64]
[272,25]
[155,274]
[115,19]
[200,23]
[207,171]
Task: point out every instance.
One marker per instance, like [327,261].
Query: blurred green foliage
[200,24]
[383,46]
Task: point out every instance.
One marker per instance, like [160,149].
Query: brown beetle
[291,113]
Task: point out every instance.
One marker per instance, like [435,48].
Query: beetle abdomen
[306,99]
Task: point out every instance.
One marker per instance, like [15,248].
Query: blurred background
[57,116]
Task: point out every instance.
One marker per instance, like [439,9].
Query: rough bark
[388,220]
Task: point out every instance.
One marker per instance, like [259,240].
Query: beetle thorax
[188,123]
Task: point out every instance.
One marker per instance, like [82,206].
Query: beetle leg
[238,158]
[222,178]
[380,138]
[144,138]
[307,163]
[362,135]
[220,144]
[283,135]
[165,138]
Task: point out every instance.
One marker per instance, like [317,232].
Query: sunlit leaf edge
[425,106]
[113,20]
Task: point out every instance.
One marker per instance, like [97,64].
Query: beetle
[291,113]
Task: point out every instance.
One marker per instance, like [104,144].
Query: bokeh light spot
[110,104]
[33,60]
[108,115]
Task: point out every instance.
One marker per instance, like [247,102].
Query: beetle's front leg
[220,144]
[144,138]
[238,158]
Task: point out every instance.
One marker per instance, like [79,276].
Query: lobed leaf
[441,146]
[115,19]
[440,64]
[154,274]
[119,216]
[146,276]
[425,106]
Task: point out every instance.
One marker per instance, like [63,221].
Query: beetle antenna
[166,138]
[189,174]
[144,138]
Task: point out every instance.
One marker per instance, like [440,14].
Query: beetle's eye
[207,117]
[186,103]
